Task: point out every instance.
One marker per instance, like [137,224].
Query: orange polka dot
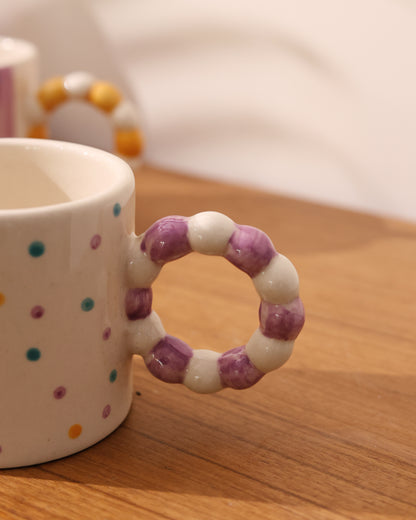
[2,299]
[75,431]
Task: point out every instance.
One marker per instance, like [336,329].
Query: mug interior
[35,173]
[13,51]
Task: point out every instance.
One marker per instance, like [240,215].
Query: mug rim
[17,51]
[123,175]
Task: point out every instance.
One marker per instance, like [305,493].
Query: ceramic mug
[25,105]
[76,299]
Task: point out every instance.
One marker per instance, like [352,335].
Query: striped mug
[76,299]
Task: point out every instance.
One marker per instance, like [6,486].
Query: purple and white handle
[281,311]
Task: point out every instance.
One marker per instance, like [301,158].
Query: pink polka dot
[95,241]
[106,333]
[37,312]
[106,411]
[59,392]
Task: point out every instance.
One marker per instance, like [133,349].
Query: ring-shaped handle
[128,138]
[249,249]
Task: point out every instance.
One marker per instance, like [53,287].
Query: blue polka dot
[116,209]
[87,304]
[36,249]
[33,354]
[113,375]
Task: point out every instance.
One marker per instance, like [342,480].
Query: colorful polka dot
[74,431]
[2,299]
[106,333]
[116,209]
[37,312]
[36,248]
[59,392]
[87,304]
[33,354]
[113,376]
[95,242]
[106,411]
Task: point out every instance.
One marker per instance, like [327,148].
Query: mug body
[19,71]
[66,217]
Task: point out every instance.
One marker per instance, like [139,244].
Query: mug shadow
[322,448]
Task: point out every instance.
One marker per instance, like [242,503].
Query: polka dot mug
[76,299]
[25,106]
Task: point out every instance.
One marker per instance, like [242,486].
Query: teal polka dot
[87,304]
[36,249]
[116,209]
[33,354]
[113,375]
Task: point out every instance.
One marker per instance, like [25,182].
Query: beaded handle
[249,249]
[128,139]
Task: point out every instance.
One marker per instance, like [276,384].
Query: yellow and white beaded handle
[249,249]
[128,138]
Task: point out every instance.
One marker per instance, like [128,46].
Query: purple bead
[282,321]
[168,359]
[138,303]
[250,250]
[167,240]
[236,370]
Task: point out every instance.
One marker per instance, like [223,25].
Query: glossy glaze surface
[65,380]
[250,250]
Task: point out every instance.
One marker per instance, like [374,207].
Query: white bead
[278,282]
[267,354]
[141,271]
[209,232]
[78,84]
[142,335]
[202,374]
[124,116]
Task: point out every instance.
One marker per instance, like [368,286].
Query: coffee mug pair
[26,105]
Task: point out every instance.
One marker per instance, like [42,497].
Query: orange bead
[2,299]
[129,142]
[104,96]
[38,132]
[52,93]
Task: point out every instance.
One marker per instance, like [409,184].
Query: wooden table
[331,435]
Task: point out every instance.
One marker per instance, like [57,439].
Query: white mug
[26,105]
[76,299]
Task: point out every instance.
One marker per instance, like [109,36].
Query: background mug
[76,299]
[25,105]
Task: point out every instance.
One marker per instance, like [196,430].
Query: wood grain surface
[331,435]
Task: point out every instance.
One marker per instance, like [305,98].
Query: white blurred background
[315,100]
